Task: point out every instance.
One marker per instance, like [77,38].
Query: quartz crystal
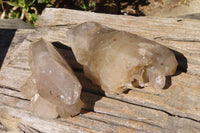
[43,108]
[54,88]
[118,60]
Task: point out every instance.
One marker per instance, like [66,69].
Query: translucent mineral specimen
[43,108]
[117,60]
[29,88]
[55,88]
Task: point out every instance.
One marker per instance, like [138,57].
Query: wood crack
[25,69]
[172,39]
[9,88]
[121,124]
[161,110]
[27,129]
[58,25]
[75,124]
[15,97]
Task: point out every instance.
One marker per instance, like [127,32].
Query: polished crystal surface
[52,83]
[118,60]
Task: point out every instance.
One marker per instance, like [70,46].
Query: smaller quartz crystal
[43,108]
[53,87]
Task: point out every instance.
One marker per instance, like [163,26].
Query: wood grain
[174,109]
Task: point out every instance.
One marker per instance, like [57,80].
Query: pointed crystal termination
[53,87]
[117,60]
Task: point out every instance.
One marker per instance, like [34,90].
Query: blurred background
[29,10]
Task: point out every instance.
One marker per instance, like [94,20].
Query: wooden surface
[14,24]
[174,109]
[8,28]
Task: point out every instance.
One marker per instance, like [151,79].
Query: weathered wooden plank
[14,24]
[14,118]
[166,97]
[85,119]
[168,28]
[18,37]
[153,117]
[13,78]
[174,109]
[118,116]
[149,97]
[159,99]
[11,33]
[190,57]
[178,100]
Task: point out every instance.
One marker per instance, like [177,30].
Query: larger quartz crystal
[53,88]
[118,60]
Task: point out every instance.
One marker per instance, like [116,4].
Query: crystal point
[54,81]
[117,59]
